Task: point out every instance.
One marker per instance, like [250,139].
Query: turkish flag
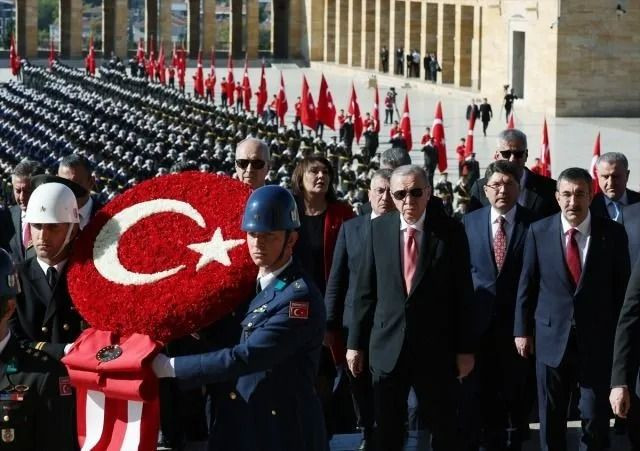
[512,122]
[14,60]
[437,132]
[212,71]
[307,107]
[140,52]
[326,111]
[262,92]
[52,54]
[160,64]
[246,86]
[91,58]
[405,124]
[175,60]
[468,145]
[376,112]
[354,111]
[594,169]
[545,153]
[230,80]
[281,102]
[198,86]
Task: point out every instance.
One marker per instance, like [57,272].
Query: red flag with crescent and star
[594,168]
[212,72]
[281,101]
[437,132]
[307,108]
[262,92]
[140,51]
[91,58]
[545,152]
[230,81]
[246,86]
[376,112]
[52,54]
[14,59]
[198,86]
[468,144]
[512,121]
[354,111]
[326,110]
[405,124]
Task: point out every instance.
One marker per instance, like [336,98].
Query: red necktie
[410,257]
[500,244]
[573,257]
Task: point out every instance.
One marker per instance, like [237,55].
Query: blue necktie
[615,211]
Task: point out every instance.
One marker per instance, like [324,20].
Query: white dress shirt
[266,279]
[419,234]
[85,213]
[583,237]
[59,267]
[509,223]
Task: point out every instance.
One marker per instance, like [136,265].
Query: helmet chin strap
[67,240]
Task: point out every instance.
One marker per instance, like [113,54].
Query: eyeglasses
[381,191]
[517,154]
[496,186]
[401,194]
[255,164]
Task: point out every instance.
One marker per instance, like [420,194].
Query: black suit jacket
[341,285]
[16,245]
[495,292]
[432,322]
[540,197]
[626,351]
[631,218]
[6,229]
[599,206]
[43,316]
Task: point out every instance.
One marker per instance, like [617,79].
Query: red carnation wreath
[165,258]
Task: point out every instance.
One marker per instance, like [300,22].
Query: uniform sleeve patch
[299,309]
[65,386]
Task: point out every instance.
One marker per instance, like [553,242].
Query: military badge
[299,310]
[8,435]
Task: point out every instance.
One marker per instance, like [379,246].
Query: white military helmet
[52,203]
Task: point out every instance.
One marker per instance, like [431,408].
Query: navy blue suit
[500,373]
[574,326]
[599,205]
[274,406]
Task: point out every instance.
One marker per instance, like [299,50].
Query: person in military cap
[45,317]
[35,395]
[273,404]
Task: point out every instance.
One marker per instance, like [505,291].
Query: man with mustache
[574,276]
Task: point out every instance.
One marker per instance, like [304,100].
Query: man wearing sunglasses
[537,193]
[410,310]
[252,162]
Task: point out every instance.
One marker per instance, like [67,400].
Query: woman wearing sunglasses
[321,215]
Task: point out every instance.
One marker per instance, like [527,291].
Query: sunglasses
[255,164]
[506,154]
[402,193]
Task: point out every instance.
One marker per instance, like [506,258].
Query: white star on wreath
[217,249]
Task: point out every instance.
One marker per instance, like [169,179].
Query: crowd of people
[407,315]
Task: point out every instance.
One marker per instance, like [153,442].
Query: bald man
[252,162]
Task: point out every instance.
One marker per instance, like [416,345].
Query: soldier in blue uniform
[272,405]
[36,406]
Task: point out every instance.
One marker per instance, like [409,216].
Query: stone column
[26,36]
[193,27]
[396,34]
[70,16]
[329,31]
[253,28]
[354,32]
[163,32]
[476,49]
[208,26]
[368,46]
[279,28]
[296,21]
[381,31]
[235,29]
[114,27]
[431,39]
[150,22]
[315,18]
[412,17]
[446,42]
[342,30]
[463,43]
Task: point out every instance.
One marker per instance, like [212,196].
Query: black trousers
[493,409]
[362,395]
[554,391]
[435,391]
[485,124]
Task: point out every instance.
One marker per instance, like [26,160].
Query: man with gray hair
[612,169]
[340,293]
[20,234]
[410,313]
[537,193]
[394,157]
[253,160]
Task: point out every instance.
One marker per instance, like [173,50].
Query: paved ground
[571,139]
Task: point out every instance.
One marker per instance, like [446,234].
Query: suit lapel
[593,251]
[16,217]
[485,239]
[560,261]
[517,235]
[393,253]
[426,254]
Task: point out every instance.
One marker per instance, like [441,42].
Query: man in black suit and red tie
[574,276]
[411,311]
[537,193]
[613,175]
[495,394]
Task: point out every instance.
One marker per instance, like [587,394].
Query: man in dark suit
[625,378]
[574,275]
[632,226]
[340,291]
[20,234]
[410,311]
[472,110]
[537,193]
[496,244]
[613,176]
[77,168]
[45,317]
[486,114]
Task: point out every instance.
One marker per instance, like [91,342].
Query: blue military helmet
[9,286]
[270,208]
